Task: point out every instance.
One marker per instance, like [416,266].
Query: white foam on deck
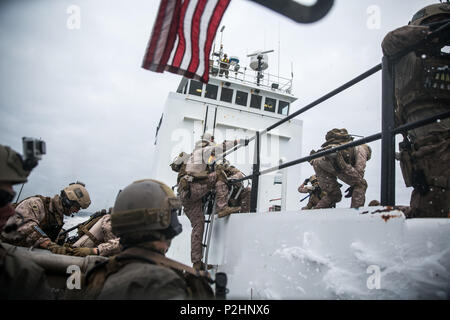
[328,254]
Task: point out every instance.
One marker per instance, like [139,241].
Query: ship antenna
[292,70]
[279,51]
[221,36]
[259,66]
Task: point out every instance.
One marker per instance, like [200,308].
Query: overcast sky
[82,90]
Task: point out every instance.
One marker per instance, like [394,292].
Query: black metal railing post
[387,197]
[255,175]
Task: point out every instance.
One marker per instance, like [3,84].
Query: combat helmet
[205,140]
[11,166]
[207,136]
[76,192]
[337,136]
[146,210]
[430,11]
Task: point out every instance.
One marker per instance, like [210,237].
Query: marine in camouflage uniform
[145,219]
[195,184]
[19,278]
[315,192]
[422,89]
[97,235]
[347,165]
[228,174]
[41,218]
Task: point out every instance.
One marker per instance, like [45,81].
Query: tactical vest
[52,222]
[197,282]
[418,79]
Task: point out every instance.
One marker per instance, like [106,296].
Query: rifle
[309,195]
[92,217]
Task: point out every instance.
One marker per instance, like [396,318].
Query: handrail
[387,135]
[421,123]
[345,86]
[239,75]
[368,139]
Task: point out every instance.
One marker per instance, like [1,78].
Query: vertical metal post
[206,119]
[255,179]
[387,197]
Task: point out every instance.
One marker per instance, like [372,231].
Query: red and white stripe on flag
[182,37]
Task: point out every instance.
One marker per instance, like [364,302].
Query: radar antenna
[259,63]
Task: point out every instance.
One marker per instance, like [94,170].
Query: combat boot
[228,210]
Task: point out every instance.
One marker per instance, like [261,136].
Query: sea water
[74,220]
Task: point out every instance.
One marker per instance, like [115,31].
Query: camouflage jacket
[100,235]
[421,80]
[40,219]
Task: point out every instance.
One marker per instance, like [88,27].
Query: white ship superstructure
[234,106]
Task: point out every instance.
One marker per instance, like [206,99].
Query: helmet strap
[66,203]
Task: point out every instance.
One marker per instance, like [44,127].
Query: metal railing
[387,134]
[248,76]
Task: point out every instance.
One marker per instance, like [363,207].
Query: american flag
[182,37]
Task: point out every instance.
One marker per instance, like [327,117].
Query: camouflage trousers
[245,199]
[193,207]
[434,162]
[327,176]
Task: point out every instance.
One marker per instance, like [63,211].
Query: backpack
[179,161]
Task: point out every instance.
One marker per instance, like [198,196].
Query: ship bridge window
[270,104]
[255,101]
[211,91]
[283,108]
[195,88]
[241,98]
[227,95]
